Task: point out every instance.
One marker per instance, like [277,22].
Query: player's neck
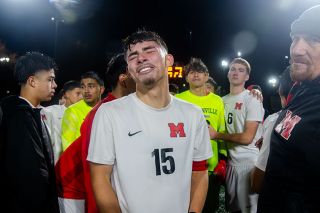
[198,91]
[28,95]
[236,89]
[156,97]
[118,92]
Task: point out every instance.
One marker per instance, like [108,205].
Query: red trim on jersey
[199,165]
[72,168]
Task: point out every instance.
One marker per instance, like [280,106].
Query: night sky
[89,32]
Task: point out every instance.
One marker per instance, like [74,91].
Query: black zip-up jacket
[292,179]
[27,177]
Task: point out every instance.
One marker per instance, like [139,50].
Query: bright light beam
[273,81]
[224,63]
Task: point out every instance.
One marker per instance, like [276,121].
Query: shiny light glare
[273,81]
[239,54]
[224,63]
[4,59]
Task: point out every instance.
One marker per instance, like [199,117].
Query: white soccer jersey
[53,119]
[239,109]
[151,151]
[268,125]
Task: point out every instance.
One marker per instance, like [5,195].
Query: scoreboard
[175,72]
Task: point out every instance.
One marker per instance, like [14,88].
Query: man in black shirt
[292,179]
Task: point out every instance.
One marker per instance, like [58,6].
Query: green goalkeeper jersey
[213,111]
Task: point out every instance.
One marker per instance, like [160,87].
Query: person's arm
[257,176]
[244,138]
[199,188]
[106,198]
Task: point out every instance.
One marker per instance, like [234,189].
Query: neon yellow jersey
[71,122]
[213,110]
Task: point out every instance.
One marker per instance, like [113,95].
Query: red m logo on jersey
[43,117]
[176,129]
[238,106]
[285,127]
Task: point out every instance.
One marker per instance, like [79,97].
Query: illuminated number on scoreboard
[160,161]
[175,72]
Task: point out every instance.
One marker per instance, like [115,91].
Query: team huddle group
[143,149]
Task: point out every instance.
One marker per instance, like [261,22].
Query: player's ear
[122,79]
[247,77]
[102,88]
[31,81]
[169,60]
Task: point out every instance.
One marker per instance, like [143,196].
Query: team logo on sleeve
[238,106]
[176,130]
[285,127]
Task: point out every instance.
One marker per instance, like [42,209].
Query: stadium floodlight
[4,59]
[273,81]
[239,54]
[224,63]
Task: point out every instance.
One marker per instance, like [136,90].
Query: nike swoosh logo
[132,134]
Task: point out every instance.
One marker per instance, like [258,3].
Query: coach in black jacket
[292,177]
[27,168]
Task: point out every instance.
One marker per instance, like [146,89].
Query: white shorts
[71,205]
[238,195]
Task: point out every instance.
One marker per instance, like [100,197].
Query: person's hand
[221,171]
[259,143]
[257,94]
[212,132]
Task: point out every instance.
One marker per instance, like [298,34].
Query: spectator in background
[92,88]
[27,177]
[71,93]
[211,85]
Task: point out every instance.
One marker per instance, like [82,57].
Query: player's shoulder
[271,118]
[250,99]
[117,104]
[184,105]
[215,97]
[183,95]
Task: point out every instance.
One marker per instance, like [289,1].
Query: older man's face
[305,57]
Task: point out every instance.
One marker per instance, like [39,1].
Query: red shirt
[72,169]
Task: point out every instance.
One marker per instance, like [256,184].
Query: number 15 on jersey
[161,157]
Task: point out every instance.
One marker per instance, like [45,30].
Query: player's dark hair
[140,36]
[31,63]
[212,82]
[116,66]
[197,65]
[70,85]
[93,75]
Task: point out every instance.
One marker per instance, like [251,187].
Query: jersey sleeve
[254,110]
[69,128]
[202,148]
[101,147]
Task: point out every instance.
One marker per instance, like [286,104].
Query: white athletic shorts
[238,195]
[71,205]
